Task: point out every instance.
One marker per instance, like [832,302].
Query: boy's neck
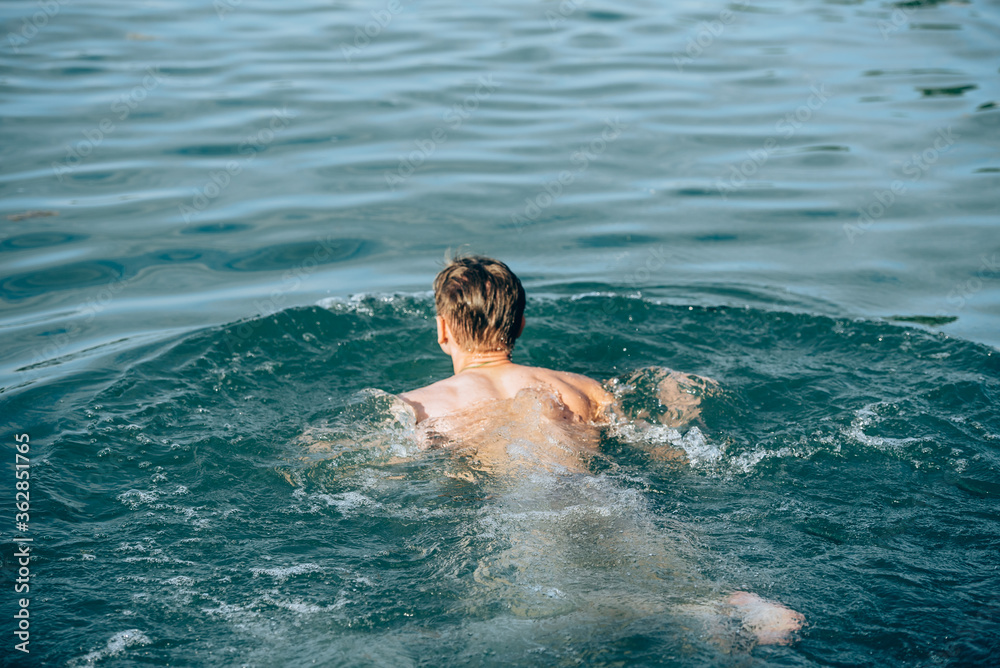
[463,361]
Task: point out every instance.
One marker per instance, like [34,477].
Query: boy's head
[482,301]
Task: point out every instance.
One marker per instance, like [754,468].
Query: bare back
[583,397]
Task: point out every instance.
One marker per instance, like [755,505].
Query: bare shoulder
[433,400]
[445,396]
[585,384]
[582,395]
[591,399]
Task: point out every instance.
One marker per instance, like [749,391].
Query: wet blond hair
[482,301]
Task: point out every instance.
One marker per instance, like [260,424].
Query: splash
[115,647]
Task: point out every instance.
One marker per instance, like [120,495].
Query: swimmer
[480,314]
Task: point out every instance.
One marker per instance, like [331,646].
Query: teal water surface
[221,222]
[845,468]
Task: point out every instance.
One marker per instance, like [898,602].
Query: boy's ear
[442,330]
[520,329]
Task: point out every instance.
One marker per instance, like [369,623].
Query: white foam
[158,557]
[282,573]
[596,293]
[356,303]
[135,498]
[346,501]
[747,461]
[699,451]
[866,417]
[296,606]
[301,608]
[116,646]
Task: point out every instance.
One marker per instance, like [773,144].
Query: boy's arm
[376,429]
[678,402]
[681,395]
[678,395]
[600,400]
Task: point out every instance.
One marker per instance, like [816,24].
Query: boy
[480,314]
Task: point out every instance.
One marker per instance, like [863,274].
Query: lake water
[221,222]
